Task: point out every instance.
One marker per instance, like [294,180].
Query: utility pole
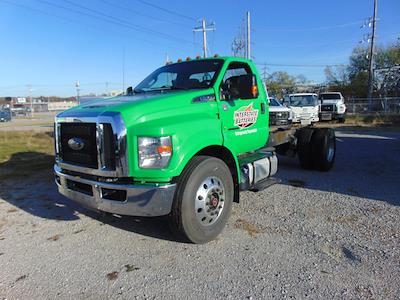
[107,91]
[77,85]
[248,52]
[264,73]
[372,56]
[204,28]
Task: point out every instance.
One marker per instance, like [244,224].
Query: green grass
[377,119]
[25,153]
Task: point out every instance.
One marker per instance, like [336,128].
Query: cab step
[265,183]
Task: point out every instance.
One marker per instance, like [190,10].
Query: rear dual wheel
[316,148]
[203,200]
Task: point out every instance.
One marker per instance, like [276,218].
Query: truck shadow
[367,166]
[27,183]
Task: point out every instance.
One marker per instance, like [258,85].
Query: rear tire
[203,200]
[323,145]
[304,153]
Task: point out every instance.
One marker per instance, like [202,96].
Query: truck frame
[182,144]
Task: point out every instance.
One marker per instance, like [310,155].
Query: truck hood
[330,101]
[137,108]
[279,109]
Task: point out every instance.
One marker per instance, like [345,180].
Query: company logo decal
[76,144]
[245,116]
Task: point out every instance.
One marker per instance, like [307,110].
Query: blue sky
[50,47]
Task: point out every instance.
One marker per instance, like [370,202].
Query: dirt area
[314,235]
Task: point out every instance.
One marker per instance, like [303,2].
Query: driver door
[243,110]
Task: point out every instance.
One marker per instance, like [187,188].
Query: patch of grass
[130,268]
[251,229]
[332,252]
[21,278]
[54,237]
[344,219]
[112,275]
[23,153]
[376,119]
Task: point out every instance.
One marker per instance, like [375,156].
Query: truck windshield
[303,100]
[195,74]
[274,102]
[329,97]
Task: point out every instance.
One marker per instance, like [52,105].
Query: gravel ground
[317,235]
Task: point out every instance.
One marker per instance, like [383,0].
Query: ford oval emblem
[76,144]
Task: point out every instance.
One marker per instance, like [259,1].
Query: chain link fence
[388,105]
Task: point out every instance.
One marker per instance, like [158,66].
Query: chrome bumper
[141,200]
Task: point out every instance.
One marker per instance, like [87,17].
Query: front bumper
[327,115]
[133,200]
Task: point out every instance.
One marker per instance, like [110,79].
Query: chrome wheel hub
[209,202]
[331,152]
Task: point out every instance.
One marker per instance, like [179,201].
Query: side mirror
[129,91]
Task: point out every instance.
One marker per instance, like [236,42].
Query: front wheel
[203,200]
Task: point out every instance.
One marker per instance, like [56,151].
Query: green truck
[182,144]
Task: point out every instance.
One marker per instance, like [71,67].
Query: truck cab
[305,107]
[183,143]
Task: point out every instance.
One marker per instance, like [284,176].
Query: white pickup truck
[332,107]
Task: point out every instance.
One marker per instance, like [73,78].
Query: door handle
[262,107]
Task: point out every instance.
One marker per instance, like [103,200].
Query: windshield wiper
[138,91]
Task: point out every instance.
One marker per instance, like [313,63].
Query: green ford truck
[183,144]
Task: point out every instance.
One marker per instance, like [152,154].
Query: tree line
[351,80]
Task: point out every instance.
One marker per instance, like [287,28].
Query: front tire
[203,200]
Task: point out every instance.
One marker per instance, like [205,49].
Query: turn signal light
[254,90]
[164,149]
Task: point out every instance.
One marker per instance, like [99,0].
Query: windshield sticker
[245,116]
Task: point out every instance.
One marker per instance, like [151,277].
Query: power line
[73,21]
[113,20]
[61,17]
[123,22]
[125,8]
[308,29]
[298,65]
[167,10]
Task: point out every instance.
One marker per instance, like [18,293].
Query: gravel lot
[317,235]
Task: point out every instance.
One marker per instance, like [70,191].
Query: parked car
[304,106]
[332,107]
[279,115]
[5,116]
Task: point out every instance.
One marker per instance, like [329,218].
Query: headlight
[154,152]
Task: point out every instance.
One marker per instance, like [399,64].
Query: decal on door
[245,116]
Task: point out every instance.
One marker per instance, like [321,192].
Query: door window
[238,82]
